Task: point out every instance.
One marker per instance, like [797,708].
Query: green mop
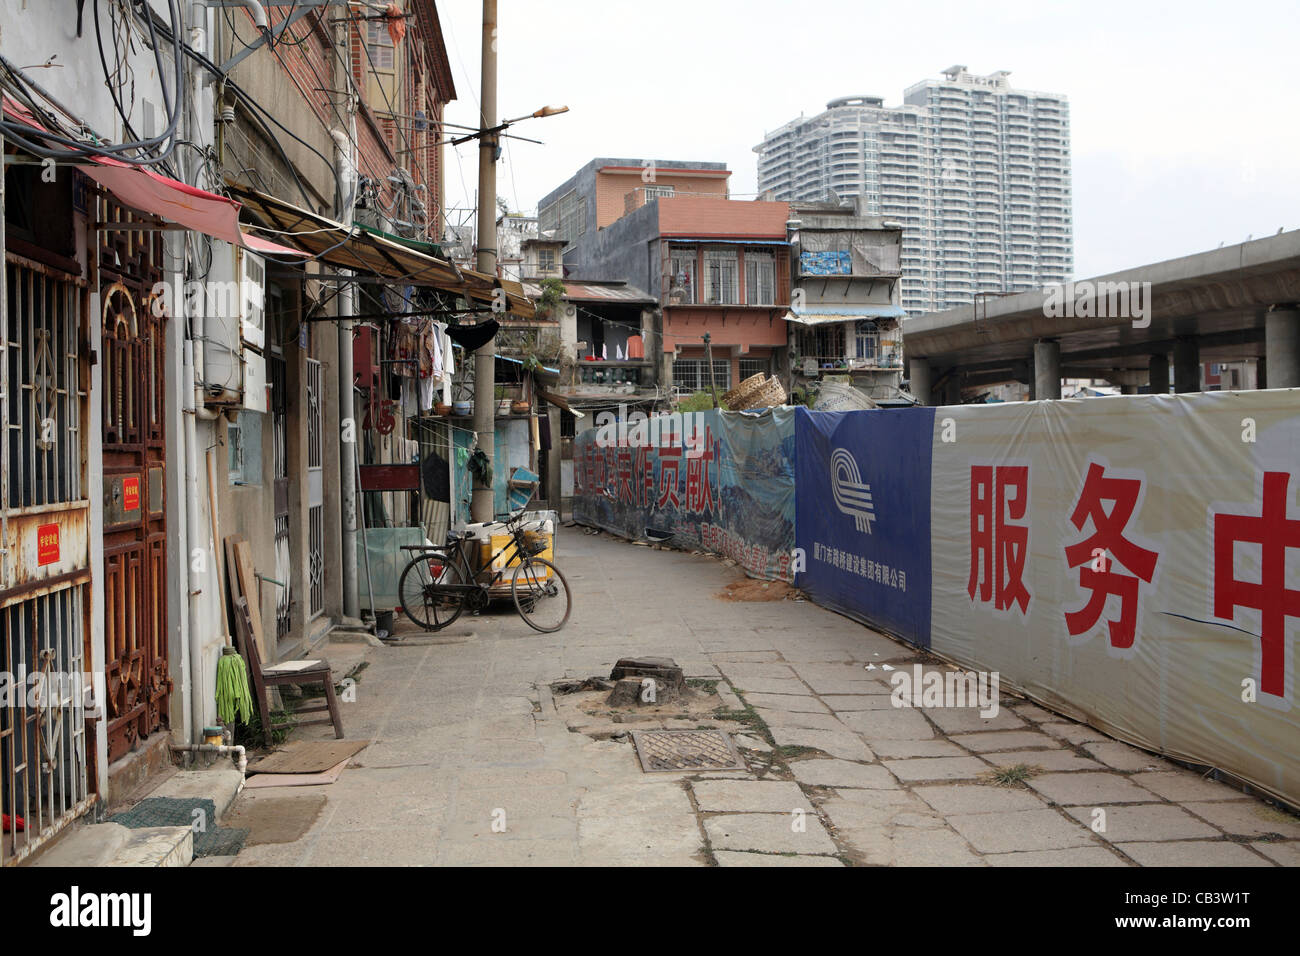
[233,698]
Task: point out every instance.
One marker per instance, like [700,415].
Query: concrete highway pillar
[1158,375]
[1047,369]
[952,390]
[918,370]
[1282,347]
[1187,365]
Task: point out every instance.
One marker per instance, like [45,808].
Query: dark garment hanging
[437,484]
[473,337]
[544,431]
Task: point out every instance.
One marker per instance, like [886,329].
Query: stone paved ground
[469,738]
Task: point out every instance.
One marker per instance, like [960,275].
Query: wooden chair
[287,672]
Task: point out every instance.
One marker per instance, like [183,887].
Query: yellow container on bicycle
[539,539]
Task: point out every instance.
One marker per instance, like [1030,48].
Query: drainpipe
[233,750]
[348,462]
[259,15]
[197,121]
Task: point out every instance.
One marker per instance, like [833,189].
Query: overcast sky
[1185,118]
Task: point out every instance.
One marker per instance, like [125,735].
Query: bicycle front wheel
[422,596]
[541,595]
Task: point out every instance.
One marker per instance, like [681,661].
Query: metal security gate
[135,547]
[45,751]
[315,492]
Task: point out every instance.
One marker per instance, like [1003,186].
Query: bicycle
[439,583]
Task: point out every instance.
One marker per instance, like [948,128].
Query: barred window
[566,217]
[760,277]
[683,264]
[721,285]
[692,375]
[868,340]
[754,366]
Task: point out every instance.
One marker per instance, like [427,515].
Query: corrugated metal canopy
[822,315]
[370,253]
[618,293]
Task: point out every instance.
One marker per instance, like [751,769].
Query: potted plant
[548,304]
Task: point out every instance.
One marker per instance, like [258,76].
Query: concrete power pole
[345,160]
[481,503]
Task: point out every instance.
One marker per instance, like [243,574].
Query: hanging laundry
[448,354]
[404,348]
[437,480]
[473,337]
[434,342]
[396,23]
[635,347]
[604,353]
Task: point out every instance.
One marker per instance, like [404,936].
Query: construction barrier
[1133,562]
[1122,560]
[863,515]
[712,481]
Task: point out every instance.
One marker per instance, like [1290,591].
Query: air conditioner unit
[234,371]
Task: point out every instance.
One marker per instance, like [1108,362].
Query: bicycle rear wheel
[541,595]
[423,599]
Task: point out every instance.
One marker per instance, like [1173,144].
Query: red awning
[168,199]
[268,248]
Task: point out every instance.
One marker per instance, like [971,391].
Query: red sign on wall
[131,494]
[47,544]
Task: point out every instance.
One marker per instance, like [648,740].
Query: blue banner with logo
[713,481]
[862,515]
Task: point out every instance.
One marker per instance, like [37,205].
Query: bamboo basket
[767,395]
[736,398]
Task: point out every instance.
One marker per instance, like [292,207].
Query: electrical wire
[79,149]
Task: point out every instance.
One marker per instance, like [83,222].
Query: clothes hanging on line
[473,337]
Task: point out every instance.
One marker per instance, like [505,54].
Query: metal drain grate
[686,750]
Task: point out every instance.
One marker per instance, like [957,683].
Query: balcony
[614,373]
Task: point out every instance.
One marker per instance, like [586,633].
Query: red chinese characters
[1097,555]
[623,491]
[699,482]
[1274,532]
[998,497]
[670,462]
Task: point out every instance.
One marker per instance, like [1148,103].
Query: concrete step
[111,844]
[221,782]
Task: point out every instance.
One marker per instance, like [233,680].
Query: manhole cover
[686,750]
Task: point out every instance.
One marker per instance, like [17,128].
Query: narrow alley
[474,759]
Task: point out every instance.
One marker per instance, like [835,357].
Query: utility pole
[482,507]
[708,357]
[345,160]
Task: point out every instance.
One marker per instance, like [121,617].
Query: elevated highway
[1132,328]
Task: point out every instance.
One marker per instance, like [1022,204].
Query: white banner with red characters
[1133,562]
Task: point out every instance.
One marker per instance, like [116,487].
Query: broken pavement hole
[576,686]
[753,590]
